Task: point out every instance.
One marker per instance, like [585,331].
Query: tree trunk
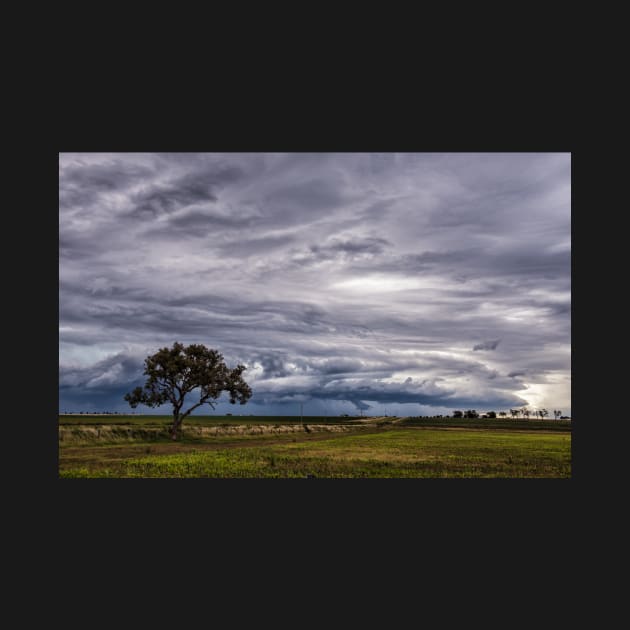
[175,426]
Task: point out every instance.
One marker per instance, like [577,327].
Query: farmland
[271,447]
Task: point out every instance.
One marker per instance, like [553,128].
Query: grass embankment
[81,434]
[396,452]
[112,419]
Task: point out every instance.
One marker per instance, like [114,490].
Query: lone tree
[175,372]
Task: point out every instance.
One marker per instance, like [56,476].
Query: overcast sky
[408,284]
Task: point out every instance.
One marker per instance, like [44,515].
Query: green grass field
[390,452]
[490,423]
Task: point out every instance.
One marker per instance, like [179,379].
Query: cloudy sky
[408,284]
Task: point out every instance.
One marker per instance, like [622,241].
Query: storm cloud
[399,283]
[487,345]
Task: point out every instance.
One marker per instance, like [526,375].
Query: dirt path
[378,420]
[399,420]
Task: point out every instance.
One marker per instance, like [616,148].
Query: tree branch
[201,402]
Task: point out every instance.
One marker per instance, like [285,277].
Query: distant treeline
[96,413]
[469,413]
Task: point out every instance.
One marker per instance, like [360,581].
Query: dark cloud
[109,175]
[189,189]
[340,250]
[116,370]
[349,247]
[342,280]
[427,392]
[81,183]
[487,345]
[244,246]
[273,365]
[516,373]
[197,223]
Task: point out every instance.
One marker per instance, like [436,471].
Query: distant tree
[471,413]
[543,413]
[457,414]
[175,372]
[491,414]
[502,414]
[525,411]
[515,412]
[557,413]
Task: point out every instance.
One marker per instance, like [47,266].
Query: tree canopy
[175,372]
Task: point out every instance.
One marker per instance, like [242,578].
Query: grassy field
[490,423]
[389,451]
